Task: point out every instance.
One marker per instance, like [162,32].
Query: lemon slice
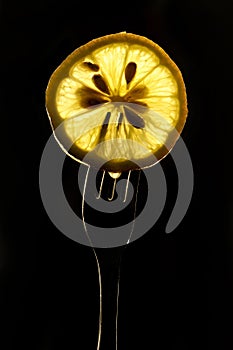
[119,98]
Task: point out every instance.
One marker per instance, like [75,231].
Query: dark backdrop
[176,289]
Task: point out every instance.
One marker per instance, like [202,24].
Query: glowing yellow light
[115,88]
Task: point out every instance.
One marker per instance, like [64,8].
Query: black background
[176,289]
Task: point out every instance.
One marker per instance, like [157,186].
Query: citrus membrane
[114,90]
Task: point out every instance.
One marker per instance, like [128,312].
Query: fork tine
[113,190]
[127,186]
[101,185]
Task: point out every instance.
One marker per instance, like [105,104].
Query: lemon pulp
[113,90]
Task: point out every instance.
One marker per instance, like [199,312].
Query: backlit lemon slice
[121,99]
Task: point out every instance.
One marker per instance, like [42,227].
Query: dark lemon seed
[91,101]
[89,97]
[134,119]
[106,120]
[104,126]
[119,121]
[130,71]
[92,66]
[94,101]
[100,83]
[138,93]
[140,103]
[139,89]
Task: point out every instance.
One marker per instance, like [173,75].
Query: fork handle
[109,260]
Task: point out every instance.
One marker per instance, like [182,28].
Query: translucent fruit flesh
[120,97]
